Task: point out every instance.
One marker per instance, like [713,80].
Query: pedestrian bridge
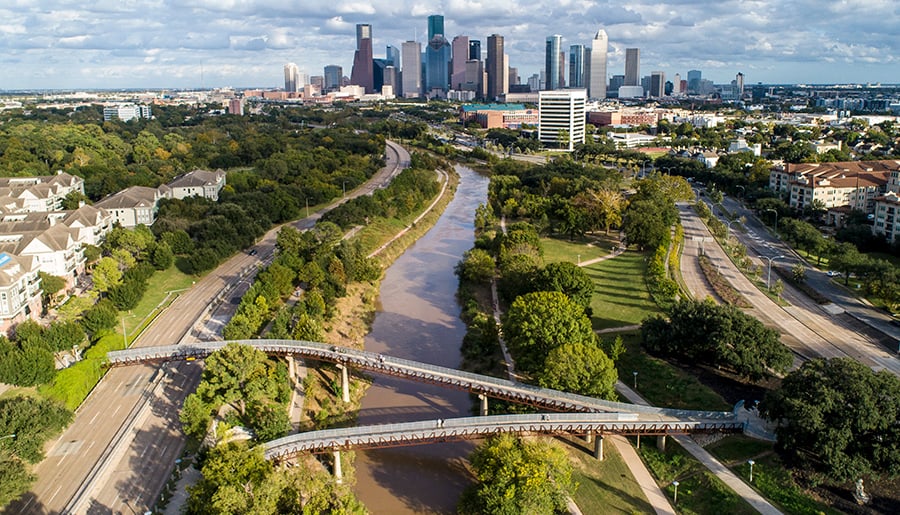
[484,386]
[466,428]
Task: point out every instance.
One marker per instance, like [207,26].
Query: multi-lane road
[121,448]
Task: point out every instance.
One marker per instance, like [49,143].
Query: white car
[832,273]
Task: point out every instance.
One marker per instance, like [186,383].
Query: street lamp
[776,218]
[751,462]
[635,379]
[728,227]
[769,276]
[675,484]
[743,190]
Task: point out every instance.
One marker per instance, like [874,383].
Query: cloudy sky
[78,44]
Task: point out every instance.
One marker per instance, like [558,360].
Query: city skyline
[205,43]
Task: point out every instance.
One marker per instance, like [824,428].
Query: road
[808,329]
[121,448]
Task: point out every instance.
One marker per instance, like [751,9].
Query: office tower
[676,84]
[576,66]
[378,66]
[474,49]
[362,73]
[392,79]
[437,55]
[333,75]
[597,76]
[586,70]
[475,80]
[632,66]
[291,78]
[460,49]
[534,82]
[694,78]
[616,82]
[562,115]
[412,69]
[317,81]
[392,56]
[551,61]
[505,73]
[645,84]
[494,67]
[657,84]
[739,85]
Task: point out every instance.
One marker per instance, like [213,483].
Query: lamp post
[776,218]
[743,190]
[728,227]
[635,379]
[751,462]
[769,275]
[675,484]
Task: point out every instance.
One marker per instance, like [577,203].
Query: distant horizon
[140,44]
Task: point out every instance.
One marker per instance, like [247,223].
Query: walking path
[728,477]
[651,489]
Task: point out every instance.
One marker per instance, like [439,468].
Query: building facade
[495,67]
[855,184]
[437,56]
[632,67]
[576,67]
[333,76]
[552,68]
[597,76]
[411,72]
[362,73]
[20,291]
[562,118]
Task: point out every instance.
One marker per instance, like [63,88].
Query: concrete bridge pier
[345,383]
[589,437]
[661,443]
[598,447]
[484,404]
[338,475]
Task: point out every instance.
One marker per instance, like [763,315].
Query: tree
[517,476]
[477,266]
[235,479]
[101,317]
[581,368]
[538,322]
[106,274]
[567,278]
[51,286]
[162,256]
[34,421]
[838,418]
[644,225]
[234,375]
[15,479]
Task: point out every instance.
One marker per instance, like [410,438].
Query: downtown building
[437,58]
[596,76]
[495,68]
[562,118]
[411,73]
[363,73]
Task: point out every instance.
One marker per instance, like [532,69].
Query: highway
[121,448]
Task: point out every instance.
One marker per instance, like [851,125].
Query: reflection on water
[419,319]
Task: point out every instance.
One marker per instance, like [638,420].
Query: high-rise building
[236,106]
[494,67]
[657,84]
[333,75]
[576,66]
[694,78]
[392,56]
[363,73]
[739,85]
[562,117]
[616,82]
[676,84]
[513,74]
[475,78]
[412,69]
[632,67]
[317,81]
[291,78]
[437,56]
[551,62]
[460,47]
[474,49]
[534,82]
[597,76]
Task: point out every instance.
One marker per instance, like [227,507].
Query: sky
[109,44]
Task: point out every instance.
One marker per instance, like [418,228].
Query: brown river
[418,319]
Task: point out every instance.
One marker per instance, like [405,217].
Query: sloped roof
[197,179]
[129,198]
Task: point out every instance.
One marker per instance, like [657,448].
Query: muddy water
[418,319]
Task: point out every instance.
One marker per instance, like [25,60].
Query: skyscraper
[333,76]
[494,65]
[460,48]
[392,56]
[576,66]
[693,79]
[562,115]
[551,61]
[291,78]
[597,78]
[412,69]
[474,49]
[437,55]
[739,85]
[362,73]
[676,84]
[632,66]
[657,84]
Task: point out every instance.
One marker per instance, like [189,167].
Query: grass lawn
[557,250]
[605,486]
[663,384]
[158,288]
[620,293]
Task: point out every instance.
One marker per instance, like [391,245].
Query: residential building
[632,66]
[38,194]
[576,67]
[437,56]
[852,183]
[597,76]
[134,206]
[412,69]
[623,117]
[198,183]
[887,216]
[562,118]
[505,116]
[495,67]
[126,112]
[20,291]
[236,106]
[552,62]
[362,73]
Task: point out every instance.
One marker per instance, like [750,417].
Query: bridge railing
[490,386]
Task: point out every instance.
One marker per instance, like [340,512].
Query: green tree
[106,274]
[101,317]
[236,479]
[567,278]
[15,479]
[838,418]
[516,476]
[234,375]
[162,256]
[34,421]
[477,266]
[538,322]
[581,368]
[51,286]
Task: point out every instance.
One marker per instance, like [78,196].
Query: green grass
[620,293]
[738,448]
[663,384]
[699,491]
[556,250]
[775,484]
[158,287]
[606,486]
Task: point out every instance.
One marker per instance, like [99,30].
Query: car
[253,252]
[832,273]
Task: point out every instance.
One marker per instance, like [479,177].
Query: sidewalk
[709,461]
[651,489]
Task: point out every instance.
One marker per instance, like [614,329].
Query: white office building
[562,118]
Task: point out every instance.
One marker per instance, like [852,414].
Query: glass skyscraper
[437,55]
[551,62]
